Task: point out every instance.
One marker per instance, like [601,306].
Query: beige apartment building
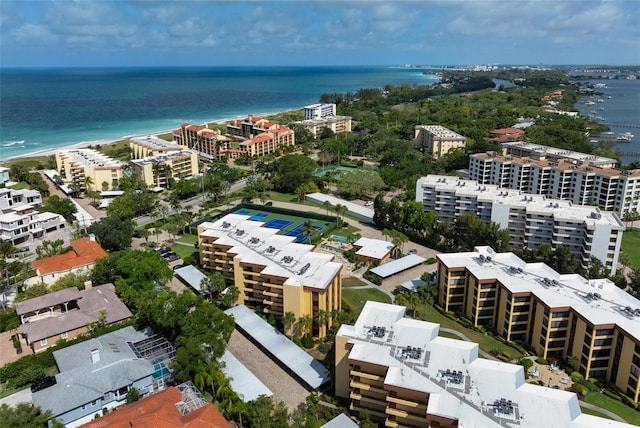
[532,220]
[337,125]
[437,139]
[271,271]
[250,126]
[575,179]
[403,374]
[268,142]
[74,165]
[144,147]
[557,315]
[156,171]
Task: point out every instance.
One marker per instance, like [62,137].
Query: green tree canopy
[112,233]
[64,207]
[359,183]
[291,171]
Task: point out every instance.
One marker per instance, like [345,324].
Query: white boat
[624,137]
[590,103]
[600,100]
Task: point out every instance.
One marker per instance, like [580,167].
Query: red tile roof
[159,411]
[195,128]
[85,251]
[508,131]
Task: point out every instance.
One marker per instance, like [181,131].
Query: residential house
[25,224]
[96,375]
[68,313]
[84,253]
[4,175]
[374,251]
[11,200]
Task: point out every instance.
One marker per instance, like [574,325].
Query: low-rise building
[503,135]
[96,375]
[557,315]
[11,199]
[66,314]
[404,375]
[437,139]
[159,170]
[181,406]
[319,111]
[337,125]
[4,175]
[532,220]
[271,271]
[373,250]
[576,178]
[149,146]
[25,225]
[88,166]
[84,253]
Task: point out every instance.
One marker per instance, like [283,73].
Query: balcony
[367,387]
[366,375]
[407,403]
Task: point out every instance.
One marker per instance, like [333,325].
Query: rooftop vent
[304,269]
[412,353]
[254,240]
[488,258]
[287,259]
[270,249]
[239,232]
[377,331]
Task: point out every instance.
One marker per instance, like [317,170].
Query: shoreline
[112,141]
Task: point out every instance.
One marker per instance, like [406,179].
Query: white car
[368,203]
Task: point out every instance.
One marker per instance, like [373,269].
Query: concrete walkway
[463,337]
[22,396]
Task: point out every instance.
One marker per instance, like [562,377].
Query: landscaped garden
[625,412]
[356,299]
[630,245]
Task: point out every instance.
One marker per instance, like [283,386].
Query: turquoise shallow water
[43,109]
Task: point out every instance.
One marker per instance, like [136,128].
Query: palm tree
[156,173]
[308,231]
[288,320]
[327,205]
[339,209]
[305,322]
[322,318]
[87,182]
[105,186]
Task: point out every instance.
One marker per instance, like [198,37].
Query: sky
[96,33]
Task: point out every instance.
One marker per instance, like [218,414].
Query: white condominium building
[319,111]
[142,147]
[403,374]
[540,152]
[532,220]
[437,139]
[579,182]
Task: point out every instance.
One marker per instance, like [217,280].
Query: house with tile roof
[66,314]
[84,253]
[181,406]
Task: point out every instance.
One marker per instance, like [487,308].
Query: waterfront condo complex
[88,167]
[532,220]
[437,139]
[271,271]
[581,179]
[404,375]
[318,117]
[557,315]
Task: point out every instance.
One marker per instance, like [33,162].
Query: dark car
[172,258]
[178,266]
[168,254]
[413,251]
[162,250]
[137,234]
[268,204]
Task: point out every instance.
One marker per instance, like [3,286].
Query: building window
[83,407]
[64,335]
[43,342]
[93,403]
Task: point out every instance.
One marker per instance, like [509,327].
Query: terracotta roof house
[504,135]
[85,251]
[65,314]
[181,406]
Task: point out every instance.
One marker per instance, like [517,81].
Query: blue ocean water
[43,109]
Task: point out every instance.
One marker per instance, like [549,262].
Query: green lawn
[625,412]
[630,245]
[183,250]
[593,413]
[352,282]
[21,185]
[357,298]
[188,239]
[486,342]
[449,335]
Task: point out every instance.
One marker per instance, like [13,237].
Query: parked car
[268,204]
[178,266]
[172,258]
[412,251]
[137,234]
[162,250]
[168,254]
[368,203]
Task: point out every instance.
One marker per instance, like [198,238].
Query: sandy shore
[107,142]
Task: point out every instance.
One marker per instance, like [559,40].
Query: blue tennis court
[259,216]
[278,224]
[297,232]
[243,212]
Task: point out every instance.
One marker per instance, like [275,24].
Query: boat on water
[624,137]
[590,103]
[600,100]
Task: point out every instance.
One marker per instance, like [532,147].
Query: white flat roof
[440,131]
[399,265]
[287,353]
[90,158]
[559,153]
[243,381]
[281,255]
[156,143]
[461,386]
[193,277]
[568,290]
[373,248]
[362,213]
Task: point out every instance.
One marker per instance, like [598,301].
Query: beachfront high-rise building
[575,179]
[319,111]
[88,167]
[250,126]
[437,139]
[317,117]
[143,147]
[403,374]
[557,315]
[157,171]
[208,142]
[532,220]
[271,271]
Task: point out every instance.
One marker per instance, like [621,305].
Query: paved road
[23,396]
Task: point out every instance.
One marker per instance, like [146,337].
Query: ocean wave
[12,143]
